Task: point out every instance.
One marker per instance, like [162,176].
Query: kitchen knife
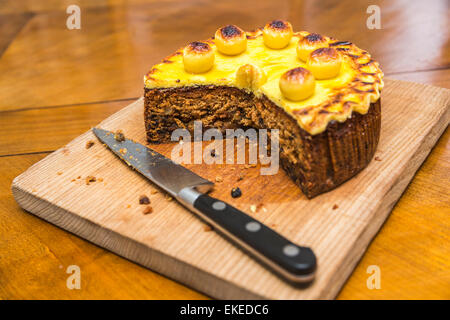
[292,262]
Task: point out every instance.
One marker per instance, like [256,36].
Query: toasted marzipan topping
[277,34]
[231,31]
[198,47]
[358,84]
[198,57]
[279,25]
[313,38]
[249,76]
[297,84]
[230,40]
[324,63]
[324,55]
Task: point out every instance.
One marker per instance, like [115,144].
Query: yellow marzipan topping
[358,84]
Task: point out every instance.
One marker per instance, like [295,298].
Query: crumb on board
[256,207]
[100,179]
[79,177]
[73,180]
[240,176]
[143,199]
[128,206]
[236,192]
[377,158]
[59,173]
[90,179]
[89,144]
[335,206]
[207,228]
[154,192]
[119,136]
[147,210]
[219,179]
[168,197]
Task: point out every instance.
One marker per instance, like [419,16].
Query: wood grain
[34,130]
[415,38]
[440,78]
[411,249]
[47,64]
[10,26]
[166,242]
[36,254]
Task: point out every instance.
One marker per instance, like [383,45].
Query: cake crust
[317,163]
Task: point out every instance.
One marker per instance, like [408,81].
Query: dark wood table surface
[56,83]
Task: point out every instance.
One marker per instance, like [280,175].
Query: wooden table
[56,83]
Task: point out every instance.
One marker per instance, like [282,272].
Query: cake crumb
[100,179]
[147,210]
[89,144]
[119,136]
[59,173]
[253,208]
[123,151]
[377,158]
[240,177]
[219,179]
[335,206]
[168,198]
[154,192]
[207,228]
[143,199]
[73,180]
[236,192]
[90,179]
[79,177]
[128,206]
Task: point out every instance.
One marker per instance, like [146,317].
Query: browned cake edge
[317,163]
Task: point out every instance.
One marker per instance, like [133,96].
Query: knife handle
[294,263]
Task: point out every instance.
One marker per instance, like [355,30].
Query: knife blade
[292,262]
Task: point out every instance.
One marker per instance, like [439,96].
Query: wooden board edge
[385,208]
[225,290]
[130,249]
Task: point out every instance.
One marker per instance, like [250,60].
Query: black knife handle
[293,262]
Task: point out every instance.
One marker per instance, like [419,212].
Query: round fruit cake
[322,94]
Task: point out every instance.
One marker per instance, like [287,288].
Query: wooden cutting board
[338,225]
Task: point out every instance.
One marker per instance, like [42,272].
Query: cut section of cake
[322,94]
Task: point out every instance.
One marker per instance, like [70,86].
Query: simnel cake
[322,94]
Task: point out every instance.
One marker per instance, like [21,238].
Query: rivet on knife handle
[292,262]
